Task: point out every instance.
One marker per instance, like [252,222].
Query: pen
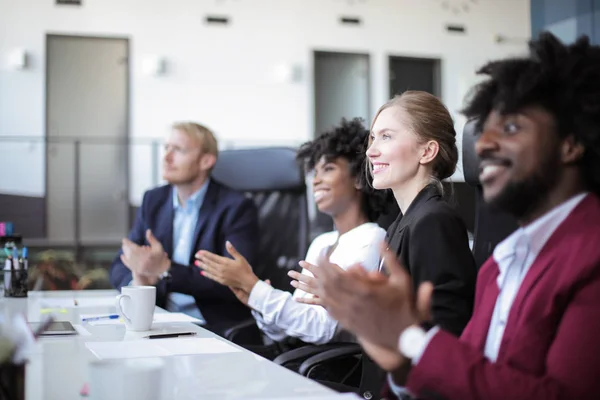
[170,335]
[112,316]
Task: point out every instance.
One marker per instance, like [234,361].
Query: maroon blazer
[550,349]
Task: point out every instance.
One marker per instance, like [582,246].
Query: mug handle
[120,309]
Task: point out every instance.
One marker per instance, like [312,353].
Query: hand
[312,300]
[235,273]
[145,262]
[374,307]
[307,283]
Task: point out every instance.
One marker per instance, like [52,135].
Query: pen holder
[15,283]
[12,382]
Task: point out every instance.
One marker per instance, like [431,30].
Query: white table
[58,367]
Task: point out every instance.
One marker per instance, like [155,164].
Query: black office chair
[273,179]
[491,227]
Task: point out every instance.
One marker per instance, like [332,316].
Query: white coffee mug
[106,380]
[135,305]
[143,377]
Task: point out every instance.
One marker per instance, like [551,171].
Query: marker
[171,335]
[15,257]
[24,253]
[112,316]
[7,274]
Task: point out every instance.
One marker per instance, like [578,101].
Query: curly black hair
[563,79]
[349,141]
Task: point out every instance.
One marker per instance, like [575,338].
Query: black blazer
[224,215]
[432,242]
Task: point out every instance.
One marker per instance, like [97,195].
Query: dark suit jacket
[224,215]
[432,242]
[550,349]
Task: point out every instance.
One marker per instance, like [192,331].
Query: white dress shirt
[514,256]
[279,315]
[185,219]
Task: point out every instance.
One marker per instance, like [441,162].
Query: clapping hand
[146,263]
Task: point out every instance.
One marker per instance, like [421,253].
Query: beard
[180,180]
[522,198]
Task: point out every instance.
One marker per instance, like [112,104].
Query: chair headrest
[470,160]
[260,169]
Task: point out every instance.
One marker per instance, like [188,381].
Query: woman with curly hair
[342,191]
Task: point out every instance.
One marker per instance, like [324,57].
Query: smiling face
[520,159]
[334,187]
[394,150]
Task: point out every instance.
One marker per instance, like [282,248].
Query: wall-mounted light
[287,73]
[153,66]
[17,59]
[500,39]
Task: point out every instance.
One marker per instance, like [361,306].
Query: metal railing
[84,189]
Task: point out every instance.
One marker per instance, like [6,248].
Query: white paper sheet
[159,348]
[174,317]
[129,349]
[158,318]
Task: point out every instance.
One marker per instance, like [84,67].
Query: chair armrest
[351,349]
[296,356]
[245,329]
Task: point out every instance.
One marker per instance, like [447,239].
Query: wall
[224,76]
[567,19]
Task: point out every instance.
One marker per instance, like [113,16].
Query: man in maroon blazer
[535,329]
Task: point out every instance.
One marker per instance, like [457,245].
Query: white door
[341,88]
[87,129]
